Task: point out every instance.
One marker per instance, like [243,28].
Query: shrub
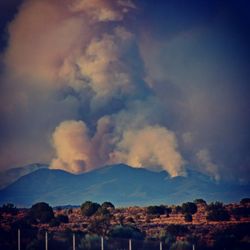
[181,245]
[189,208]
[62,218]
[176,230]
[8,208]
[217,212]
[108,204]
[200,201]
[89,208]
[126,232]
[41,212]
[241,212]
[188,217]
[158,210]
[54,223]
[178,209]
[245,201]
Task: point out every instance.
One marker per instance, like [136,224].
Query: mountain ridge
[120,184]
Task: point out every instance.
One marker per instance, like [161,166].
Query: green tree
[188,217]
[8,208]
[200,201]
[126,232]
[108,204]
[181,245]
[217,212]
[41,212]
[245,201]
[62,218]
[89,208]
[189,208]
[157,210]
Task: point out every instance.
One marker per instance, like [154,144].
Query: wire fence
[68,240]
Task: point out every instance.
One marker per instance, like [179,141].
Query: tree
[126,232]
[102,211]
[100,224]
[189,208]
[176,230]
[62,218]
[181,245]
[41,212]
[200,201]
[245,201]
[239,212]
[217,212]
[188,217]
[157,210]
[177,209]
[54,223]
[89,208]
[108,204]
[8,208]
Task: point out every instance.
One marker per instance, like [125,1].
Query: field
[168,224]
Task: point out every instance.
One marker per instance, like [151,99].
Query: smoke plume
[89,82]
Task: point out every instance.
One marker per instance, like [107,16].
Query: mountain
[120,184]
[11,175]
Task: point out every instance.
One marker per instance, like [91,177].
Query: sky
[162,85]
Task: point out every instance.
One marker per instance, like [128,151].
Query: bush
[188,217]
[181,245]
[62,218]
[41,212]
[102,211]
[158,210]
[178,209]
[217,212]
[176,230]
[54,223]
[241,212]
[108,204]
[189,208]
[200,201]
[126,232]
[89,208]
[245,201]
[8,208]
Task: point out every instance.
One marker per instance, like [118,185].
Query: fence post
[19,239]
[160,245]
[46,240]
[74,242]
[130,244]
[102,243]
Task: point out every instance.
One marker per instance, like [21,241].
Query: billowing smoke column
[82,50]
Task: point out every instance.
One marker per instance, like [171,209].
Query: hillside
[121,184]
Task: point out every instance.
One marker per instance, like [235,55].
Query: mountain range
[120,184]
[11,175]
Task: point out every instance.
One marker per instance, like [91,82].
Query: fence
[43,240]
